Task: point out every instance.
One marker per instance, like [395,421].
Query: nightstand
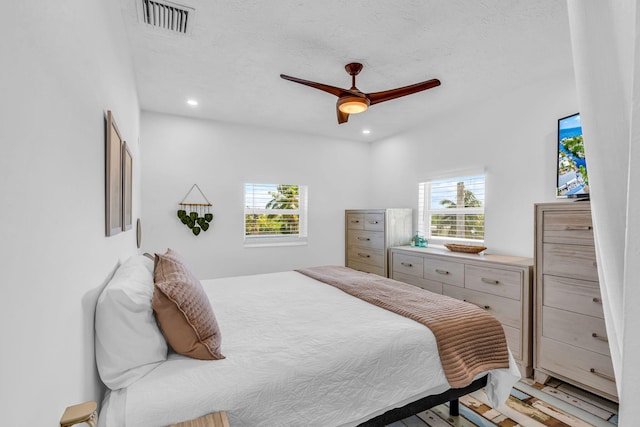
[82,413]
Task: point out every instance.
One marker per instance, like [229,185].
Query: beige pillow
[183,310]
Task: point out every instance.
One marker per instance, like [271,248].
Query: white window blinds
[452,209]
[275,214]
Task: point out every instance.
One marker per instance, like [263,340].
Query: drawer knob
[486,307]
[445,272]
[360,254]
[355,221]
[406,264]
[597,373]
[599,337]
[373,222]
[363,238]
[597,300]
[578,227]
[490,281]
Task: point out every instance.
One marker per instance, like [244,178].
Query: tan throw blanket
[470,341]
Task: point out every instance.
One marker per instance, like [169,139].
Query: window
[452,209]
[275,214]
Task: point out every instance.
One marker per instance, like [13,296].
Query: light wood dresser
[369,233]
[571,339]
[502,285]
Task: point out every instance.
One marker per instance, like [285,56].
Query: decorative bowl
[465,248]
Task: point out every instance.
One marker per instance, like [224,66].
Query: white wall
[220,158]
[64,63]
[512,137]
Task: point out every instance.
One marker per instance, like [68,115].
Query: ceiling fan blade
[326,88]
[342,117]
[387,95]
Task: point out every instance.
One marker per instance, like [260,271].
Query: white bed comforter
[298,353]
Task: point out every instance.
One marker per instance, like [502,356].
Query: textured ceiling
[232,59]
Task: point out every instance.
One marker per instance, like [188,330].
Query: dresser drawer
[366,239]
[368,268]
[576,329]
[444,271]
[495,281]
[587,367]
[573,261]
[355,221]
[506,310]
[568,227]
[408,264]
[368,256]
[514,340]
[578,296]
[429,285]
[374,222]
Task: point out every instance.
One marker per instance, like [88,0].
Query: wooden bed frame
[452,395]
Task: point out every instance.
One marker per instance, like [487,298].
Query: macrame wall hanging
[195,211]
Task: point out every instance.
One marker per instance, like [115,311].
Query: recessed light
[192,102]
[366,131]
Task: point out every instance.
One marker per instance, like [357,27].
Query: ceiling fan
[353,101]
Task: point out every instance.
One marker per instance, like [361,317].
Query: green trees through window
[453,209]
[452,224]
[273,210]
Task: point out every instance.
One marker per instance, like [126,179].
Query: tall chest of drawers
[502,285]
[369,233]
[571,338]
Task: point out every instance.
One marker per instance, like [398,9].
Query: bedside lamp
[82,413]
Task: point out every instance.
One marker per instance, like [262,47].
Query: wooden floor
[530,405]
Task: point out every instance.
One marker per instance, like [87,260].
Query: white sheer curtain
[606,60]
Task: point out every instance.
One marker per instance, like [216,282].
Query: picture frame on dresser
[113,177]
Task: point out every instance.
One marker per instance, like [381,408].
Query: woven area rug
[530,405]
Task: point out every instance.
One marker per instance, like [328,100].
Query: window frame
[426,211]
[301,238]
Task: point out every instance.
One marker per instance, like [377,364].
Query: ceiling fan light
[353,104]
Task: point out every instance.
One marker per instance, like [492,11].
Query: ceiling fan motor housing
[353,104]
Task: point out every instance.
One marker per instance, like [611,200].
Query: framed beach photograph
[127,186]
[113,177]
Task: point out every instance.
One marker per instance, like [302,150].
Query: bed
[297,352]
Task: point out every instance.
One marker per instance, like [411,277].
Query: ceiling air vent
[165,15]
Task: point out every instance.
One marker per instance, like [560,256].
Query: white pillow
[129,343]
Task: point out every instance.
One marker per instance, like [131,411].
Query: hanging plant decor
[199,214]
